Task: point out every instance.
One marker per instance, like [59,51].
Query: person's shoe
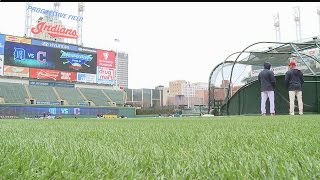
[273,114]
[263,114]
[291,113]
[300,113]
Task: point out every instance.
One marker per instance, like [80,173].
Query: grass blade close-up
[239,147]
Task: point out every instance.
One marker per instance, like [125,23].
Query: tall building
[176,87]
[122,69]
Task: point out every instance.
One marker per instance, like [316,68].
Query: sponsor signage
[47,102]
[82,49]
[87,78]
[18,39]
[39,83]
[42,83]
[106,58]
[54,45]
[52,75]
[68,76]
[105,75]
[44,74]
[16,71]
[64,85]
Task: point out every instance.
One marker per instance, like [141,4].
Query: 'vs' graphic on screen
[25,55]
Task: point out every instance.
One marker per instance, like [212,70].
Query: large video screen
[26,55]
[76,61]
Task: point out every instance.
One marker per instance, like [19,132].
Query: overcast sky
[175,41]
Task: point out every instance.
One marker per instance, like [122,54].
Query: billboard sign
[39,83]
[24,55]
[42,83]
[48,102]
[18,39]
[89,50]
[67,76]
[64,85]
[86,78]
[54,45]
[106,58]
[105,75]
[16,71]
[44,74]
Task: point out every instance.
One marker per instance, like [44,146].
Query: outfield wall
[23,111]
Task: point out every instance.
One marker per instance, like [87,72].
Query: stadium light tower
[80,23]
[318,12]
[56,7]
[28,20]
[117,41]
[276,24]
[296,13]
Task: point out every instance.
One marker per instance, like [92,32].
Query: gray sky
[174,41]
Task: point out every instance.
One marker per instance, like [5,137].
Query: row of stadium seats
[18,94]
[13,93]
[71,95]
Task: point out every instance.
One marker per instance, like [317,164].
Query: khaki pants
[292,96]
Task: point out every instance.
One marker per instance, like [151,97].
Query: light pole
[297,19]
[188,93]
[276,24]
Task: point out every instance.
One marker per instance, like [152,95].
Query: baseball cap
[292,63]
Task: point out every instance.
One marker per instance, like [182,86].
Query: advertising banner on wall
[105,75]
[44,74]
[106,58]
[1,65]
[43,83]
[16,71]
[18,39]
[76,61]
[2,41]
[54,45]
[24,55]
[88,50]
[87,78]
[67,76]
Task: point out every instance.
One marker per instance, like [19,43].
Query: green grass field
[279,147]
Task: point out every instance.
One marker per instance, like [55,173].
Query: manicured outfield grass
[280,147]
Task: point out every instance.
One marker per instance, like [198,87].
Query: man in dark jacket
[294,81]
[267,83]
